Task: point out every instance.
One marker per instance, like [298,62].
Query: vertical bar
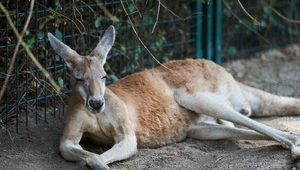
[208,31]
[89,29]
[45,80]
[80,35]
[63,63]
[17,76]
[218,31]
[36,70]
[198,30]
[6,69]
[55,63]
[26,77]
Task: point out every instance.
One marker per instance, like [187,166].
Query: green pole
[198,30]
[208,31]
[218,31]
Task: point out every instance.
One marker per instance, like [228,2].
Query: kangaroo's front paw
[87,167]
[96,163]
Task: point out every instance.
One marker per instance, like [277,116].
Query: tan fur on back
[161,120]
[185,72]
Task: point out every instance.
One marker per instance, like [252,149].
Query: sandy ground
[276,71]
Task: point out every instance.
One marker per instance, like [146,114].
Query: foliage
[238,39]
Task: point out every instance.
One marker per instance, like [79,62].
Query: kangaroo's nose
[96,104]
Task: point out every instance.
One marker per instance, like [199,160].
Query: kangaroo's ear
[69,55]
[105,44]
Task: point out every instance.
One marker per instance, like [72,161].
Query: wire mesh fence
[241,37]
[28,95]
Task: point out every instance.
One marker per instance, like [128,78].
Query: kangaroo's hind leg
[216,106]
[207,131]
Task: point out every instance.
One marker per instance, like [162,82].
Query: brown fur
[159,123]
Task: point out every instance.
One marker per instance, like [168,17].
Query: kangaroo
[182,99]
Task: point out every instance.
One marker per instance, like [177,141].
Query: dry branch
[13,59]
[280,15]
[56,87]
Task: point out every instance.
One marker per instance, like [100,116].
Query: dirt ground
[276,71]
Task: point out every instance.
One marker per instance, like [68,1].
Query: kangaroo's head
[86,72]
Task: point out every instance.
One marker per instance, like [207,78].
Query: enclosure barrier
[171,30]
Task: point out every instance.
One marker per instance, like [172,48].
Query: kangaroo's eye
[80,80]
[103,78]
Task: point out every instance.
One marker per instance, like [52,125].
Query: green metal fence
[241,42]
[29,97]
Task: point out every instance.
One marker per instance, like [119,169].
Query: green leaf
[60,81]
[138,50]
[231,50]
[57,4]
[131,7]
[266,9]
[41,35]
[292,31]
[114,78]
[1,121]
[239,75]
[123,48]
[51,17]
[180,31]
[97,22]
[58,34]
[30,42]
[27,32]
[263,23]
[57,58]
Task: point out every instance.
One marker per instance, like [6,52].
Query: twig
[55,12]
[40,82]
[32,57]
[280,15]
[157,16]
[254,20]
[137,35]
[137,9]
[263,38]
[74,7]
[13,58]
[9,135]
[173,13]
[106,11]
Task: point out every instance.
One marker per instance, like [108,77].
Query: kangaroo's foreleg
[72,151]
[123,149]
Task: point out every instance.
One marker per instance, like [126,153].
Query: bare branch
[137,35]
[13,58]
[157,16]
[254,20]
[106,11]
[263,38]
[280,15]
[137,9]
[74,7]
[32,57]
[173,13]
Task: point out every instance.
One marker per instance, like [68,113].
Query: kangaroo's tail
[264,104]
